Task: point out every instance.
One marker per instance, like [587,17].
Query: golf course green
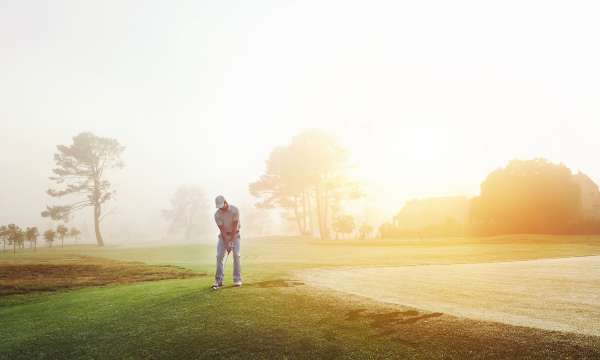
[275,314]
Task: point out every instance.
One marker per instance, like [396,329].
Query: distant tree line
[449,227]
[14,237]
[345,226]
[307,178]
[527,196]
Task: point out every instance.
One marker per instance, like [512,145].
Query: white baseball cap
[220,201]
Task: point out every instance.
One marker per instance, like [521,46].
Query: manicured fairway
[276,315]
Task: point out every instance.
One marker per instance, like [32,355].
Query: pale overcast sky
[429,96]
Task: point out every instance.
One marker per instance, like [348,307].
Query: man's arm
[221,227]
[235,229]
[236,221]
[227,239]
[232,235]
[223,233]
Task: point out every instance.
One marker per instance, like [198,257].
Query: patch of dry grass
[58,273]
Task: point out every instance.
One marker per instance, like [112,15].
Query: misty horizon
[201,93]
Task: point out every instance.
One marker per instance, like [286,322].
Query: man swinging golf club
[227,218]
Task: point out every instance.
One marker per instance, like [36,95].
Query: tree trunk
[321,214]
[311,220]
[318,208]
[325,203]
[97,213]
[297,216]
[304,229]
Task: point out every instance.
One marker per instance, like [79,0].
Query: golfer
[227,218]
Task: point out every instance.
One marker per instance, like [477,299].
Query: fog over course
[200,93]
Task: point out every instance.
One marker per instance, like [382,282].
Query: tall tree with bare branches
[81,170]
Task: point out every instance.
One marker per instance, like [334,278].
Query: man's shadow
[276,283]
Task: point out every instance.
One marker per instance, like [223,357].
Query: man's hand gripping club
[228,237]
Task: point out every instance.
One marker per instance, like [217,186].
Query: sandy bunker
[554,294]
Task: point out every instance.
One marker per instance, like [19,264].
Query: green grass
[181,319]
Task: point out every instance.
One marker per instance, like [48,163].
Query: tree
[62,232]
[188,212]
[49,236]
[20,238]
[31,235]
[283,186]
[74,233]
[4,236]
[307,177]
[324,170]
[365,231]
[343,224]
[16,236]
[81,168]
[532,196]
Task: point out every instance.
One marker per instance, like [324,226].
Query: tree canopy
[81,170]
[533,196]
[307,177]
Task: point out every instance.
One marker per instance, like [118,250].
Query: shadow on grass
[388,322]
[276,283]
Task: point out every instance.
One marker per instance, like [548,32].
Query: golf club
[226,258]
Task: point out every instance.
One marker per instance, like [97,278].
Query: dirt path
[553,294]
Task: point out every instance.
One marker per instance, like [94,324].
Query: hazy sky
[429,96]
